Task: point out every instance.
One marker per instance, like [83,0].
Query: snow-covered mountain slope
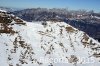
[46,44]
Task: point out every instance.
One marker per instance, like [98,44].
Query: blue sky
[71,4]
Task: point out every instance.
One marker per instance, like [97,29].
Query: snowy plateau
[43,43]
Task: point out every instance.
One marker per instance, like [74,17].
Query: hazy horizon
[70,4]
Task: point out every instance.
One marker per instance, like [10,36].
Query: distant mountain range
[9,9]
[87,21]
[40,14]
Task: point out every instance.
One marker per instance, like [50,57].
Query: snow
[2,10]
[97,17]
[39,38]
[35,44]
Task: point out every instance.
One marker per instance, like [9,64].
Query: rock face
[47,44]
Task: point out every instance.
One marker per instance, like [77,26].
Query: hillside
[43,43]
[86,21]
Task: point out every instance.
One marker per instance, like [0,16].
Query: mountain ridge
[34,44]
[83,20]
